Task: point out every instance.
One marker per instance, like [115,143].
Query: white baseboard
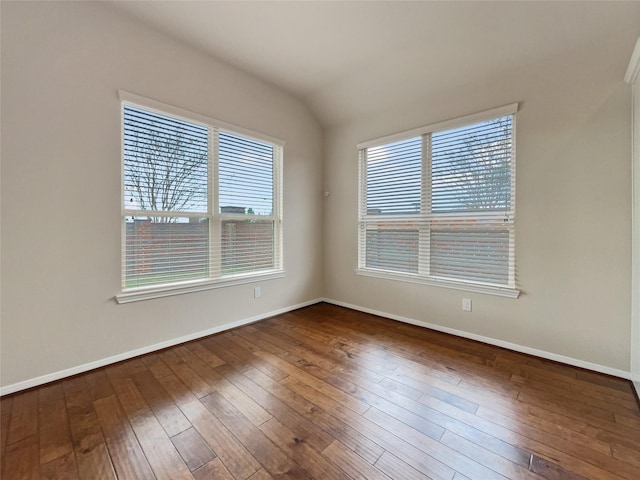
[636,384]
[34,382]
[492,341]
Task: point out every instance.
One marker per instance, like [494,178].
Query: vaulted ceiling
[349,59]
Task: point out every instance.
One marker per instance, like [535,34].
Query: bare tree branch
[165,171]
[480,170]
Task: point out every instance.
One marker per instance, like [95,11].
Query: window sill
[148,293]
[440,282]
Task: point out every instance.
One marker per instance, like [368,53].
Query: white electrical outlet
[466,304]
[257,292]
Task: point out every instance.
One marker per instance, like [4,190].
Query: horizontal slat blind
[246,175]
[393,178]
[246,188]
[441,206]
[166,175]
[165,163]
[171,232]
[477,250]
[159,253]
[247,246]
[471,167]
[392,247]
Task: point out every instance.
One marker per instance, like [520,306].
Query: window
[201,203]
[437,204]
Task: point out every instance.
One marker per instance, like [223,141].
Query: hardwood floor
[325,393]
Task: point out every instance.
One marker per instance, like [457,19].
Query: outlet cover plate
[466,304]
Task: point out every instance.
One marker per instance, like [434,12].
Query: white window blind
[248,230]
[438,205]
[201,203]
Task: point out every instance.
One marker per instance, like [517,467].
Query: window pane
[246,176]
[471,253]
[392,249]
[165,163]
[168,250]
[247,246]
[394,178]
[471,167]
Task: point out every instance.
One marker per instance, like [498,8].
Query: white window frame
[213,215]
[423,219]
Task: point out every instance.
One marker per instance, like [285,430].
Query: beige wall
[62,65]
[573,219]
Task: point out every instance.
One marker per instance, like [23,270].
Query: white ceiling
[347,59]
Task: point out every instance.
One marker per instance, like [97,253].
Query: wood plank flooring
[325,393]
